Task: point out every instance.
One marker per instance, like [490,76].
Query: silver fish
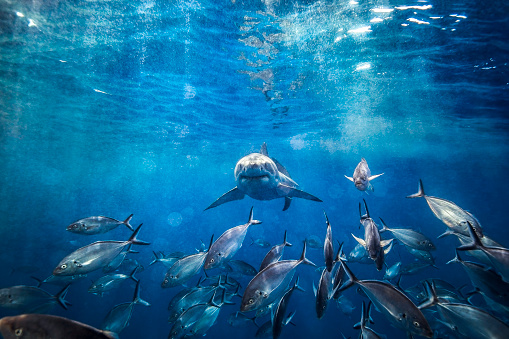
[262,178]
[94,256]
[242,267]
[31,299]
[393,304]
[393,271]
[499,256]
[485,280]
[274,254]
[110,282]
[237,319]
[328,247]
[118,317]
[270,283]
[227,245]
[42,326]
[371,242]
[278,317]
[209,317]
[421,255]
[467,320]
[323,293]
[449,213]
[166,261]
[314,242]
[362,176]
[184,269]
[367,332]
[97,225]
[259,243]
[410,237]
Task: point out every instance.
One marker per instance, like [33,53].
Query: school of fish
[432,309]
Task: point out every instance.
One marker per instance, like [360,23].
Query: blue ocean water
[119,107]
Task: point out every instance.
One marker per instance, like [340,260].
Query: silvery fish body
[449,213]
[31,299]
[197,296]
[393,271]
[278,318]
[274,254]
[372,241]
[97,225]
[328,247]
[184,269]
[362,176]
[269,284]
[118,317]
[486,280]
[262,178]
[227,245]
[499,256]
[366,332]
[410,238]
[242,267]
[43,326]
[393,304]
[94,256]
[110,282]
[323,293]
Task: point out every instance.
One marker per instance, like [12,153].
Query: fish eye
[212,260]
[417,324]
[63,266]
[18,332]
[250,301]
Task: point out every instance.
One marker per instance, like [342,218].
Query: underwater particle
[19,14]
[363,66]
[189,92]
[174,219]
[364,29]
[297,142]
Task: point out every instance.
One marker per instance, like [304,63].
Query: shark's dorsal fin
[263,150]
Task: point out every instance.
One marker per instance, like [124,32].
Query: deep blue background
[112,108]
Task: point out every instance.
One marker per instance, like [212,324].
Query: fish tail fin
[61,297]
[455,259]
[366,207]
[446,233]
[286,243]
[476,242]
[133,273]
[340,251]
[251,221]
[352,279]
[420,192]
[432,295]
[303,258]
[384,226]
[134,240]
[156,258]
[137,299]
[297,286]
[126,222]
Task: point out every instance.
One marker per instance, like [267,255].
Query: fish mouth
[253,177]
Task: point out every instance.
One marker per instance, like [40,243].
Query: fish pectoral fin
[349,178]
[231,195]
[110,334]
[360,241]
[374,176]
[287,191]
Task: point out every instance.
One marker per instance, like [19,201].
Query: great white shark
[262,178]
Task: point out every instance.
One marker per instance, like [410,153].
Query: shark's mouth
[250,177]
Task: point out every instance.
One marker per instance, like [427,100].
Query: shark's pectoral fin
[291,192]
[288,201]
[349,178]
[231,195]
[374,177]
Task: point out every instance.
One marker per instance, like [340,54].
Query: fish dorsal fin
[211,242]
[263,149]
